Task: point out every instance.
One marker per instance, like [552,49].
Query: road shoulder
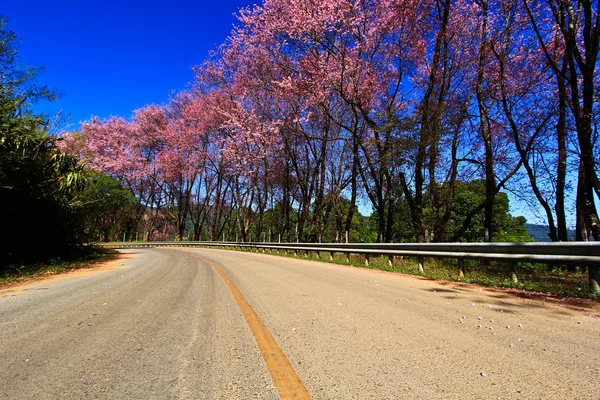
[20,286]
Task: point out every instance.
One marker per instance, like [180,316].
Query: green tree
[38,183]
[506,228]
[105,208]
[362,229]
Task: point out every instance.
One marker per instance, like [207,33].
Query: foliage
[309,107]
[37,181]
[105,208]
[428,110]
[506,227]
[398,102]
[37,185]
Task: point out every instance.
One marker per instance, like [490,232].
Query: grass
[536,278]
[14,274]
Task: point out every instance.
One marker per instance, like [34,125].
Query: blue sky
[111,57]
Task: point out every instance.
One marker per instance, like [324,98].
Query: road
[165,325]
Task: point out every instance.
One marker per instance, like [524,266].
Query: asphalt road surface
[167,325]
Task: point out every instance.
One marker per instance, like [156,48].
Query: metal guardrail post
[461,268]
[513,272]
[594,274]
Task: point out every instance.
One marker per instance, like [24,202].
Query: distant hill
[540,233]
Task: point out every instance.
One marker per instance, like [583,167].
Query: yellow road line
[285,378]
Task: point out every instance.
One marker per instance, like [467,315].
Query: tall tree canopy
[311,107]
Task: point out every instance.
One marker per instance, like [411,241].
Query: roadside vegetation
[87,257]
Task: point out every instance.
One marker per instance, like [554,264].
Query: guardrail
[578,253]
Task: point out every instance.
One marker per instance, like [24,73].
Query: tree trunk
[353,178]
[561,170]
